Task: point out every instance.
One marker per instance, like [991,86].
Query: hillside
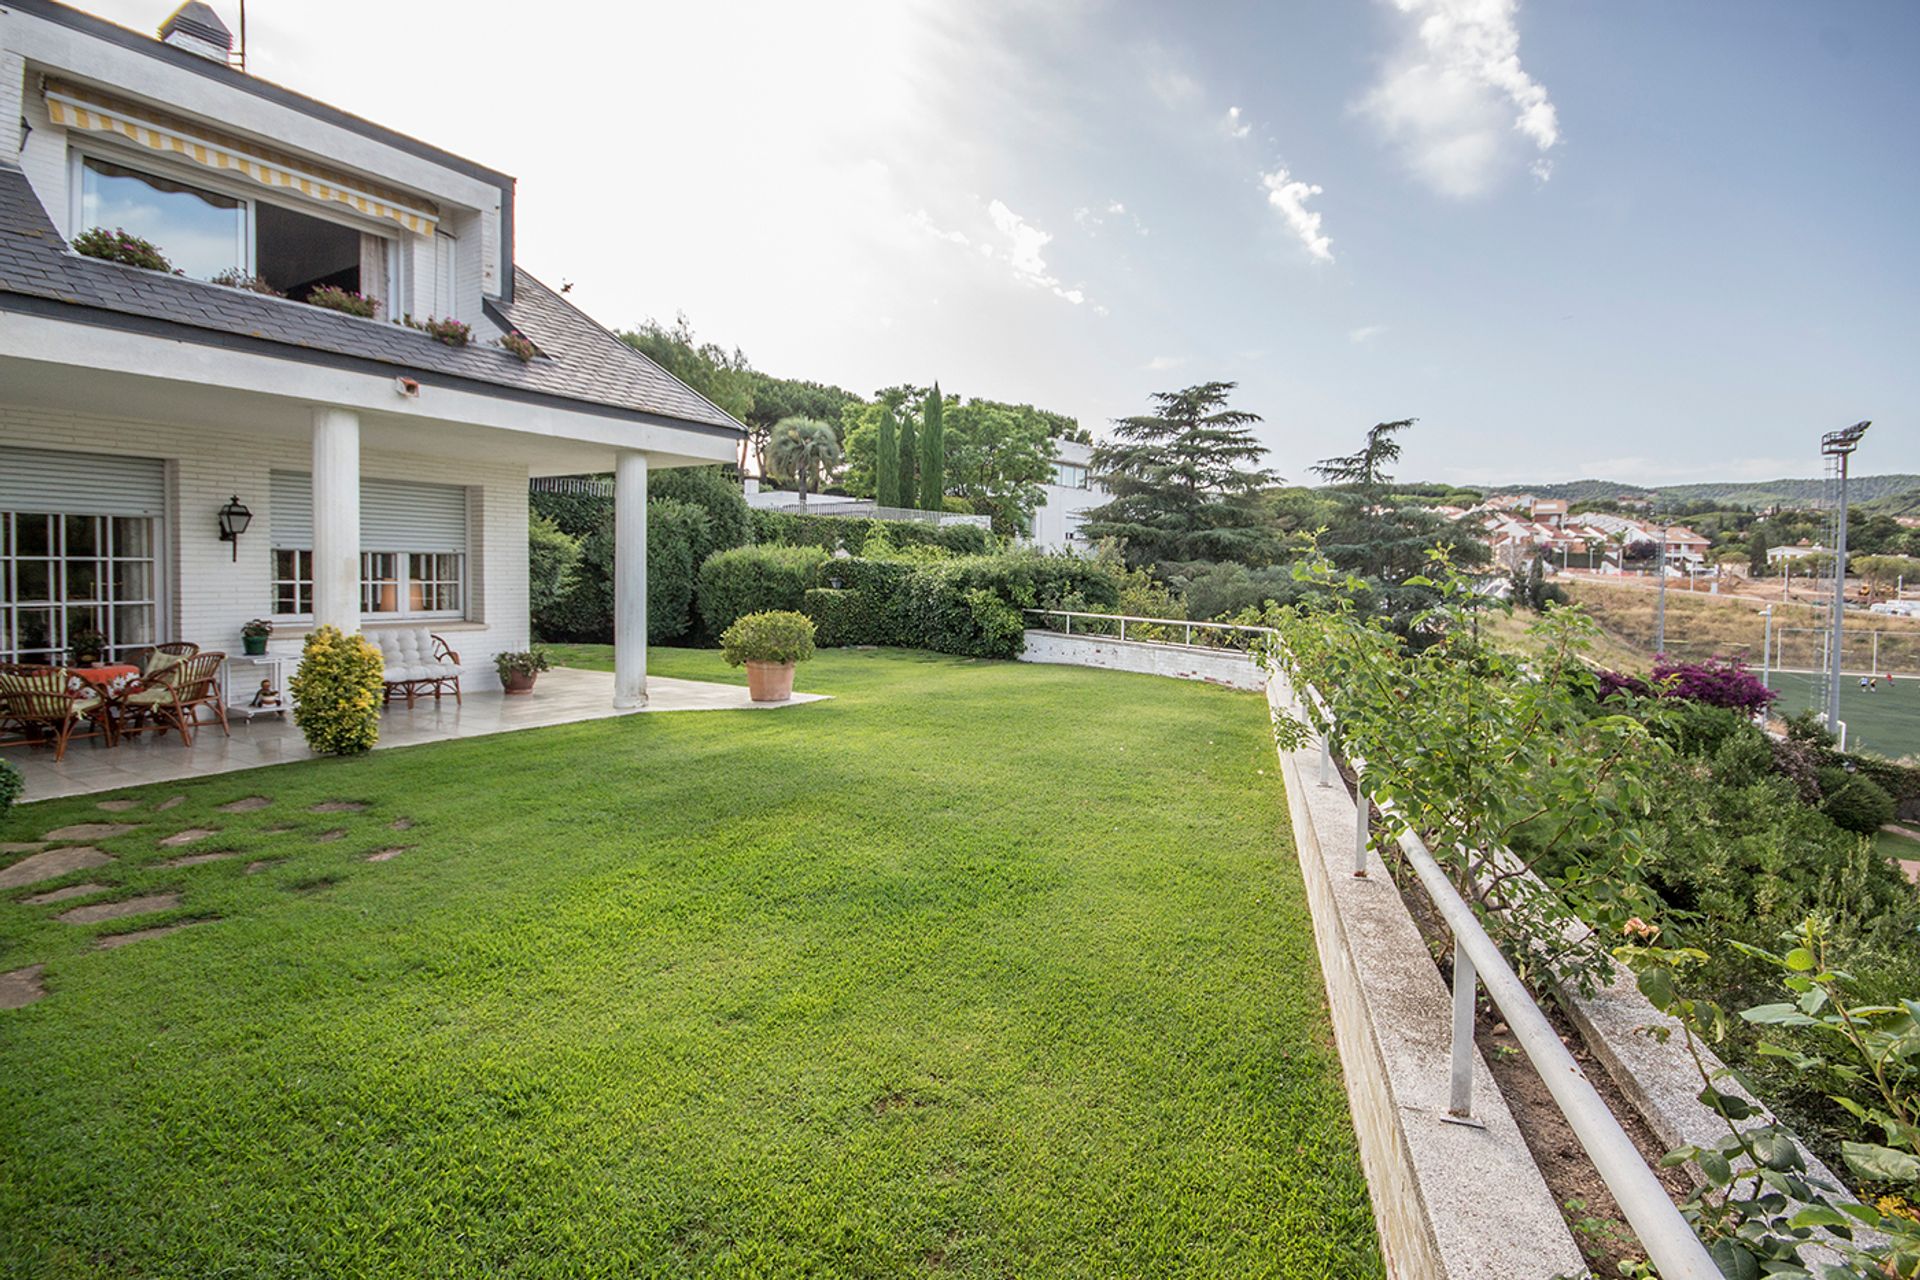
[1888,494]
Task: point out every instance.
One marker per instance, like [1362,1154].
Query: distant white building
[1067,498]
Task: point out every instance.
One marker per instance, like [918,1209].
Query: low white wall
[1237,670]
[1449,1201]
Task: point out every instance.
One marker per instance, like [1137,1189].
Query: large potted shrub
[518,670]
[336,692]
[769,644]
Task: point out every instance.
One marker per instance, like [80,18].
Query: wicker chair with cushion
[173,697]
[41,705]
[157,658]
[417,662]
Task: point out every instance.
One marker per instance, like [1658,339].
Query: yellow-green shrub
[336,692]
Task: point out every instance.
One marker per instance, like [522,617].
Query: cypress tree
[908,472]
[886,461]
[933,455]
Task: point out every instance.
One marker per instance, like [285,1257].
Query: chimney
[196,28]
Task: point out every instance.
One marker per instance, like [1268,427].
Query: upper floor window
[208,234]
[1070,475]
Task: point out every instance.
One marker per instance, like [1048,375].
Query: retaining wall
[1218,666]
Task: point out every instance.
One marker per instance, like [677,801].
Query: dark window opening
[297,254]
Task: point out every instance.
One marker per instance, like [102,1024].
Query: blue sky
[1645,241]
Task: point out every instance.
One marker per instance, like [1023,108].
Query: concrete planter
[770,681]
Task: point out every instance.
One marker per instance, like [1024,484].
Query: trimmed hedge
[747,580]
[675,532]
[850,533]
[840,617]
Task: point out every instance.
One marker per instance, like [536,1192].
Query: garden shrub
[778,635]
[118,246]
[755,579]
[715,491]
[1854,801]
[1718,682]
[336,692]
[553,555]
[584,611]
[839,617]
[850,533]
[675,531]
[12,783]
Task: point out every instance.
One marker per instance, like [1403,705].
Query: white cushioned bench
[417,662]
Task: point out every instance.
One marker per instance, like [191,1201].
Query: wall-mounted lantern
[234,519]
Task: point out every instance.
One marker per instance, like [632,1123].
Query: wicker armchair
[155,657]
[173,698]
[40,706]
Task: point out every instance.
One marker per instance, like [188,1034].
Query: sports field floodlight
[1839,446]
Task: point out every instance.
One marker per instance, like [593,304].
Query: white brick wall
[208,595]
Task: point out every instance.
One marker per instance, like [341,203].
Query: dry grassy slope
[1701,625]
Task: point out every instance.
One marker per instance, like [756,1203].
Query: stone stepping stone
[339,806]
[387,855]
[195,859]
[251,804]
[258,865]
[171,802]
[54,862]
[93,831]
[21,987]
[124,907]
[188,836]
[278,831]
[328,837]
[401,824]
[22,846]
[118,806]
[113,940]
[61,895]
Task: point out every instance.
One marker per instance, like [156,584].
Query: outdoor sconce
[234,520]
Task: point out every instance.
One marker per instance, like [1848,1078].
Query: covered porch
[563,696]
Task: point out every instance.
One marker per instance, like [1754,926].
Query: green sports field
[1886,720]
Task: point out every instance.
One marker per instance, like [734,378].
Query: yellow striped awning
[75,107]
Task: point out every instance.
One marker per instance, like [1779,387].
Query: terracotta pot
[520,682]
[770,681]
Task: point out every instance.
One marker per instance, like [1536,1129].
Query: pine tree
[933,455]
[1185,481]
[886,462]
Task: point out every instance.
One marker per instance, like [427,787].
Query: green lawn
[1886,720]
[978,969]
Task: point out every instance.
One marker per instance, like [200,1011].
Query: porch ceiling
[109,393]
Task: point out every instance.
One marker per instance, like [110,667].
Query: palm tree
[803,450]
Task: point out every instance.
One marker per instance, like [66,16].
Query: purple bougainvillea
[1718,682]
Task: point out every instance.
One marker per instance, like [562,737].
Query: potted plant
[87,644]
[253,636]
[769,644]
[517,670]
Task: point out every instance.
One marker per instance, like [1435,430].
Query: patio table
[103,677]
[113,682]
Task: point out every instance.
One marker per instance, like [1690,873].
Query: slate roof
[581,361]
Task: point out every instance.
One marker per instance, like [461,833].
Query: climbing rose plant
[336,692]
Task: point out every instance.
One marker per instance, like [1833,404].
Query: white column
[629,580]
[336,518]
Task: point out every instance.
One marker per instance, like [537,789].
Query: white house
[385,472]
[1067,498]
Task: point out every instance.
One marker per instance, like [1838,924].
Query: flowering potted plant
[118,246]
[333,298]
[518,344]
[253,636]
[769,644]
[234,278]
[517,670]
[88,644]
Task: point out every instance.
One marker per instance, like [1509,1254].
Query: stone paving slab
[113,940]
[387,855]
[21,846]
[21,987]
[118,806]
[338,806]
[251,804]
[188,836]
[93,831]
[62,895]
[120,909]
[54,862]
[172,802]
[195,859]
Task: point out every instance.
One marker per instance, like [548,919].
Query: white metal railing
[1662,1230]
[1185,626]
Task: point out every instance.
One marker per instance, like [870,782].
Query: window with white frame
[208,231]
[1069,475]
[413,535]
[69,582]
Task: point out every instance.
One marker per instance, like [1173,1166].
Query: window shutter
[94,484]
[395,515]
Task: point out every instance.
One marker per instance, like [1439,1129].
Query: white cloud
[1235,124]
[1289,195]
[1174,87]
[923,220]
[1455,99]
[1366,333]
[1160,364]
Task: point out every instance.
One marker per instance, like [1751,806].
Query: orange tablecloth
[101,677]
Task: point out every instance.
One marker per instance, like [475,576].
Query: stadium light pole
[1660,608]
[1840,445]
